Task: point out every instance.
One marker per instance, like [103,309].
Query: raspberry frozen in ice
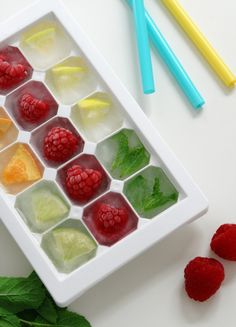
[110,219]
[14,69]
[60,144]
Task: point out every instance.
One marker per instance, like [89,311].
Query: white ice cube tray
[64,288]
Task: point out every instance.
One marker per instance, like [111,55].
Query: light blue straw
[172,62]
[144,51]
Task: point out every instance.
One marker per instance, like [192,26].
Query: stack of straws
[145,28]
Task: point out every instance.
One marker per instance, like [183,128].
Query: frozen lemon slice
[21,168]
[68,76]
[43,40]
[68,70]
[5,124]
[48,206]
[94,109]
[71,243]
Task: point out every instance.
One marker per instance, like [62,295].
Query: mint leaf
[128,159]
[123,149]
[29,305]
[71,319]
[47,310]
[18,294]
[7,319]
[137,158]
[65,319]
[29,315]
[157,198]
[136,191]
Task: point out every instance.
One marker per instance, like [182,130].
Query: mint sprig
[128,159]
[146,198]
[24,302]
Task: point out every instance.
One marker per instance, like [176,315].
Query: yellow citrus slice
[21,168]
[94,109]
[42,40]
[68,70]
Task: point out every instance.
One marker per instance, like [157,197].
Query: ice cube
[14,69]
[8,130]
[97,116]
[89,180]
[69,245]
[151,192]
[110,218]
[39,135]
[19,168]
[45,44]
[31,105]
[123,154]
[42,206]
[71,80]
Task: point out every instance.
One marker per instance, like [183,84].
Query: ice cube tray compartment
[77,91]
[8,130]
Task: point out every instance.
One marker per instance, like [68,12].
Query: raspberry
[223,242]
[11,74]
[203,277]
[32,109]
[110,220]
[60,144]
[82,183]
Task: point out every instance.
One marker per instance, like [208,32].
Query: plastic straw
[203,45]
[144,51]
[172,62]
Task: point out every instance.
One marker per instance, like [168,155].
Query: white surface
[149,289]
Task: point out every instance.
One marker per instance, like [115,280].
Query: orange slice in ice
[21,168]
[5,124]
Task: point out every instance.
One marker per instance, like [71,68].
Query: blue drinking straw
[172,62]
[144,51]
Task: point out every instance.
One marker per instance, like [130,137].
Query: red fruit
[109,219]
[60,144]
[82,183]
[203,277]
[11,74]
[32,109]
[223,242]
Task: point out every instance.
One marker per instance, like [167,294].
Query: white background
[149,290]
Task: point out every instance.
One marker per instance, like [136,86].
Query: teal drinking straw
[144,51]
[172,62]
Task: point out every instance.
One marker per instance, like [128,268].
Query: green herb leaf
[65,319]
[157,198]
[24,302]
[48,311]
[136,191]
[133,161]
[8,319]
[29,315]
[123,149]
[71,319]
[18,294]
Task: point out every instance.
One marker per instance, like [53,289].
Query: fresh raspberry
[110,220]
[82,183]
[32,109]
[203,277]
[60,144]
[223,242]
[11,74]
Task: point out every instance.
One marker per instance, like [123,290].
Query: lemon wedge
[93,110]
[43,40]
